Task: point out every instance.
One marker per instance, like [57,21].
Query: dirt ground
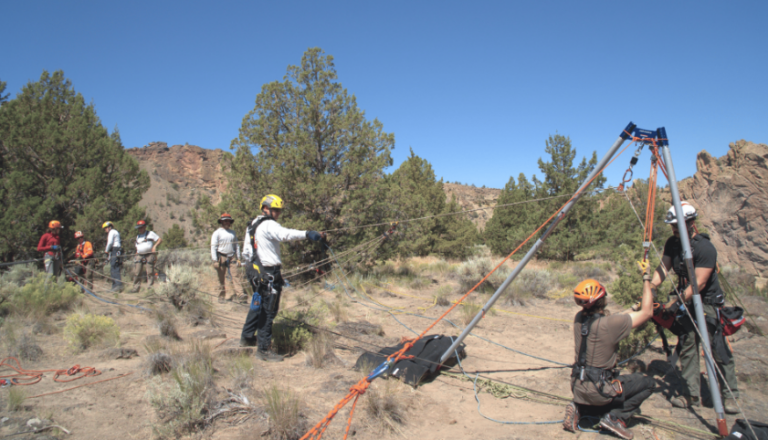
[443,408]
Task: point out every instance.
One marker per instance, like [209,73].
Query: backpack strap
[252,231]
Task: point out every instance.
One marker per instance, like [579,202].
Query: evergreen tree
[414,192]
[576,232]
[510,225]
[3,98]
[308,142]
[174,238]
[59,162]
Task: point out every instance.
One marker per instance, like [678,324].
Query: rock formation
[731,194]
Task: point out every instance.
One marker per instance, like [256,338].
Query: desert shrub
[39,297]
[468,311]
[319,351]
[529,283]
[16,398]
[181,290]
[384,406]
[472,271]
[240,369]
[166,324]
[419,283]
[283,406]
[338,310]
[85,330]
[21,344]
[292,328]
[567,280]
[184,257]
[636,341]
[441,296]
[158,363]
[20,274]
[589,270]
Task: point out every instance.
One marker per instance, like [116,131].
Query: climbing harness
[601,378]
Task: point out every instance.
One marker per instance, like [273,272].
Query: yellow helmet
[272,201]
[107,225]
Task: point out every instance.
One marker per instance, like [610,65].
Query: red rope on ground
[35,376]
[316,432]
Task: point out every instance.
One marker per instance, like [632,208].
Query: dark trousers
[637,387]
[115,264]
[259,323]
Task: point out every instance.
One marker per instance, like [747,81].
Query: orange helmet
[54,224]
[79,234]
[588,292]
[140,224]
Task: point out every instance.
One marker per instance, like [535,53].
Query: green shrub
[441,296]
[85,330]
[291,331]
[40,296]
[636,341]
[529,283]
[468,311]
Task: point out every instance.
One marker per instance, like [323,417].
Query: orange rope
[82,385]
[316,432]
[650,207]
[35,376]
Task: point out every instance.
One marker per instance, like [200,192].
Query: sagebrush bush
[468,311]
[181,285]
[441,296]
[184,257]
[240,369]
[338,310]
[283,406]
[85,330]
[292,328]
[530,283]
[39,297]
[182,404]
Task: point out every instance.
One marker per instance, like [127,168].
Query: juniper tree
[3,98]
[174,238]
[307,141]
[414,192]
[60,163]
[510,225]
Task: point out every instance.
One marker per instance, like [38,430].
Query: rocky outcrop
[731,194]
[470,197]
[186,165]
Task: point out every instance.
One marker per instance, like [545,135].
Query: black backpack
[254,270]
[741,431]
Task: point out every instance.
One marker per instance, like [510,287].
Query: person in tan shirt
[597,387]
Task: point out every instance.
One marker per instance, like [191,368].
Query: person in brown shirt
[597,388]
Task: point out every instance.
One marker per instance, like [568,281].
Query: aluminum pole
[714,388]
[540,242]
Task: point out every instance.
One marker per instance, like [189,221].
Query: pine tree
[308,142]
[3,98]
[174,238]
[59,162]
[414,192]
[576,232]
[510,225]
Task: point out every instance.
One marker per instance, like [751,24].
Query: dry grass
[18,341]
[283,406]
[166,323]
[441,296]
[468,311]
[240,369]
[384,406]
[158,363]
[319,352]
[338,309]
[16,398]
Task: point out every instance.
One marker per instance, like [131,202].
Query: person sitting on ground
[146,255]
[114,256]
[597,389]
[85,261]
[224,250]
[50,243]
[267,235]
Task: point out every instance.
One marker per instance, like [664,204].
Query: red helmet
[79,234]
[140,224]
[226,217]
[588,292]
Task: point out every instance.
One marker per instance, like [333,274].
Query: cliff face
[179,175]
[731,194]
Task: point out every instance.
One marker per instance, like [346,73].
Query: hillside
[181,172]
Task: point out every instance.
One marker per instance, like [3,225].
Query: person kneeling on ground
[597,388]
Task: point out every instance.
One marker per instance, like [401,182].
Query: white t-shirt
[224,241]
[113,240]
[145,242]
[268,238]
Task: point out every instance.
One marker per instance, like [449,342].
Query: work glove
[55,247]
[314,235]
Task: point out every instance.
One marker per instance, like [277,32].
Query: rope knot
[359,388]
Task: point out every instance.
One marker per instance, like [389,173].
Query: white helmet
[689,212]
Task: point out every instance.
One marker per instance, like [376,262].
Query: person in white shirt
[264,275]
[224,250]
[146,255]
[114,255]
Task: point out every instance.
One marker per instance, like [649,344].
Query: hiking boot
[729,406]
[571,420]
[685,402]
[268,356]
[247,342]
[616,426]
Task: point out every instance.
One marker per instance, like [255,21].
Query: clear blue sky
[474,87]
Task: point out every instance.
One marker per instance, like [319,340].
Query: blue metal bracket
[645,136]
[378,371]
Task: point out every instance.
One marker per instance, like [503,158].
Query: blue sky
[474,87]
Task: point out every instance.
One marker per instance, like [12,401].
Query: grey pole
[535,248]
[714,388]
